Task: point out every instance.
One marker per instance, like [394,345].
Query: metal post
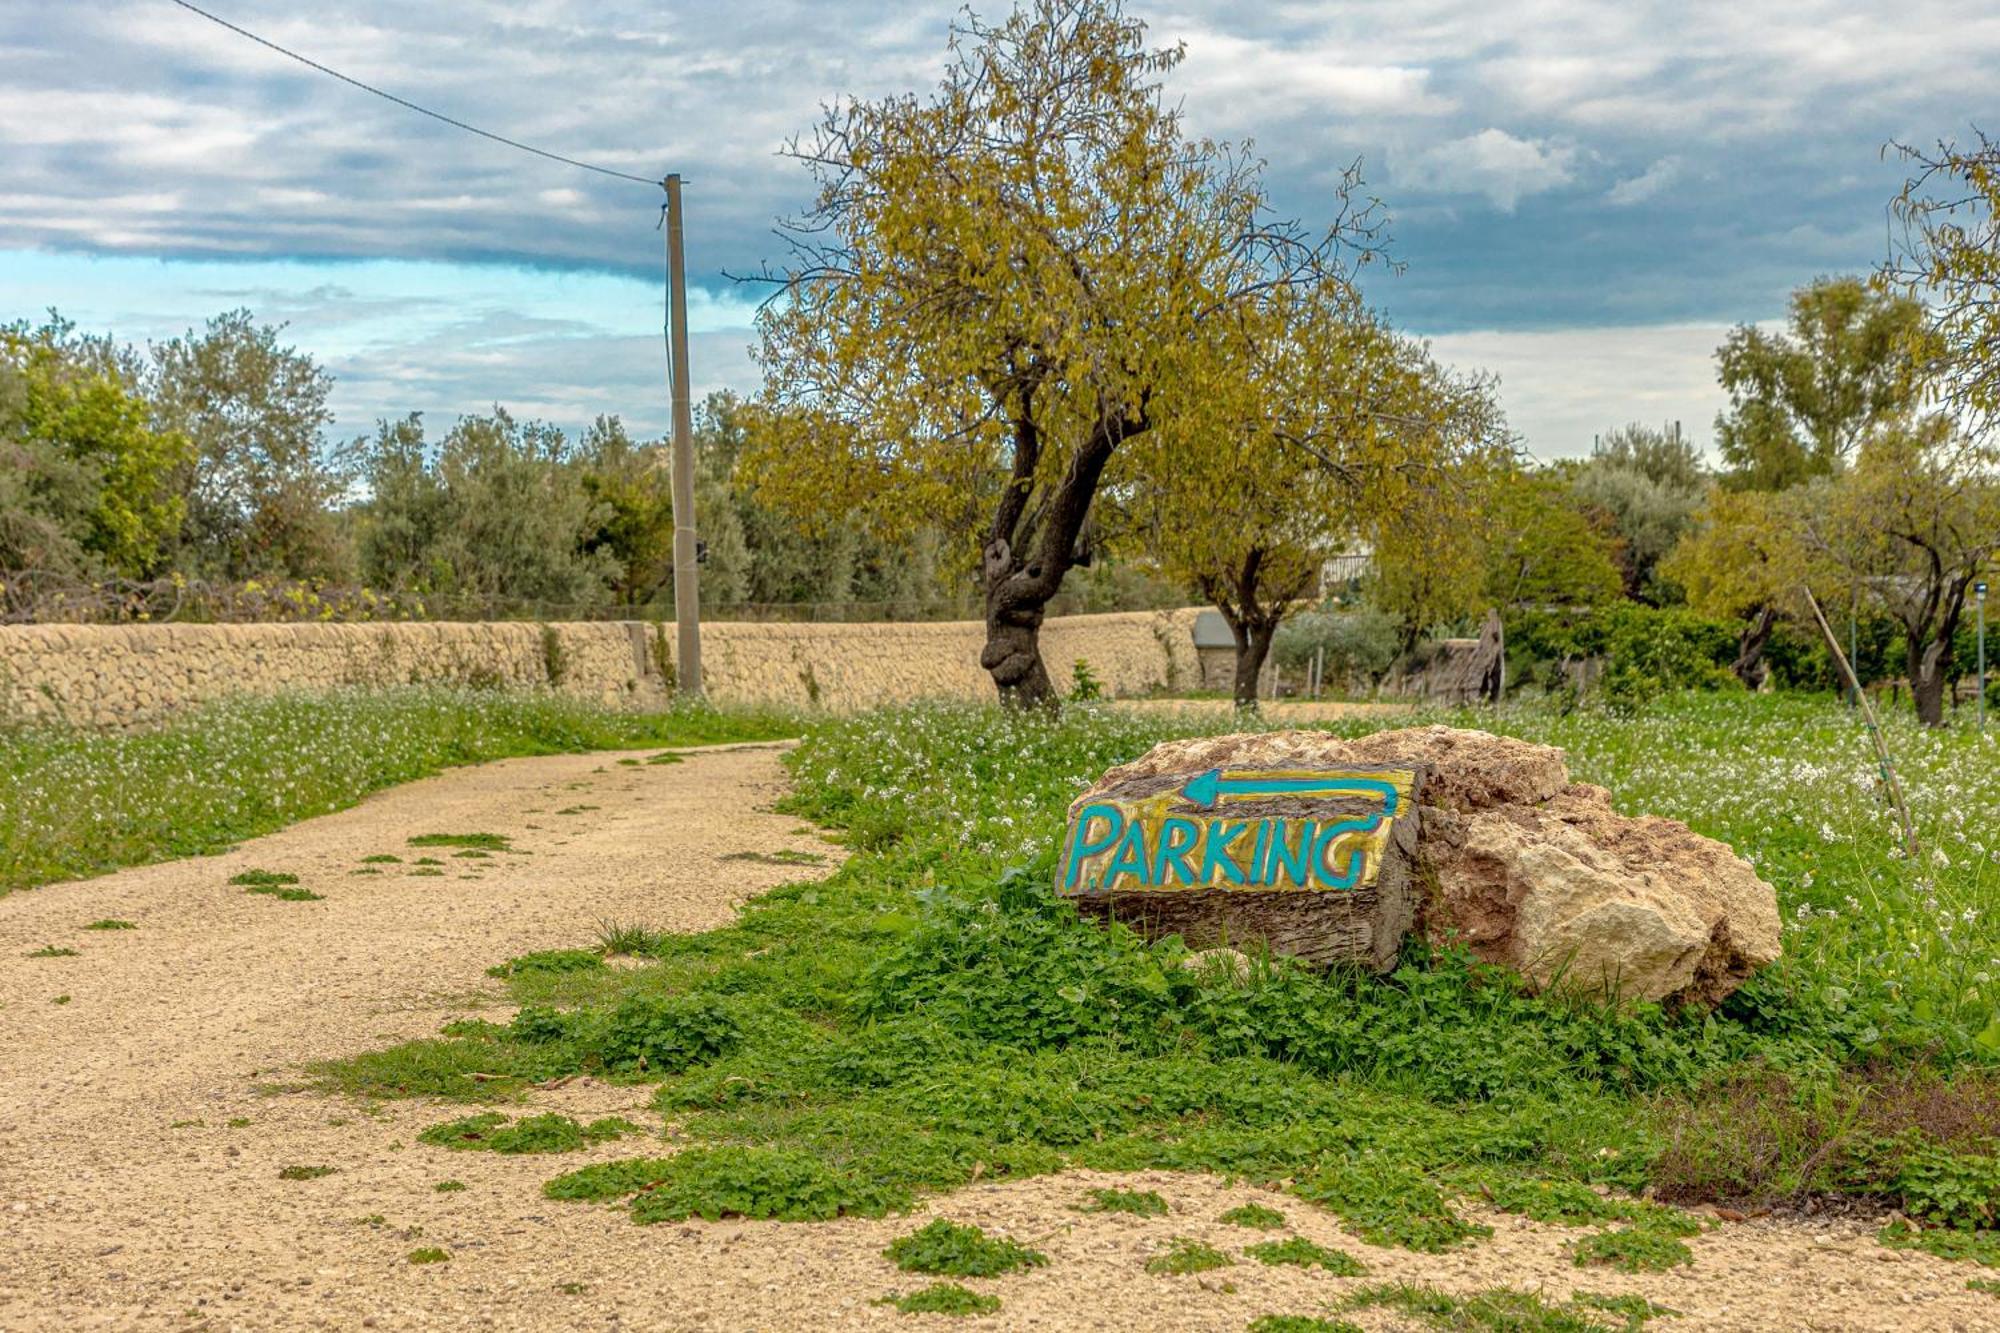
[1979,603]
[687,588]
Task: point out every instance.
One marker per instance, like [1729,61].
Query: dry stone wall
[121,675]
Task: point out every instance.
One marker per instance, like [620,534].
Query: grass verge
[76,801]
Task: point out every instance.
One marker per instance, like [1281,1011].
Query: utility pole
[1979,602]
[687,586]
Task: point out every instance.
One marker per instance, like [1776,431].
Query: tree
[261,488]
[1323,422]
[497,514]
[1914,524]
[1947,254]
[1801,402]
[407,511]
[86,481]
[1647,485]
[1743,560]
[1540,549]
[999,287]
[631,487]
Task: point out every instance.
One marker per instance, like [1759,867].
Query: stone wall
[118,675]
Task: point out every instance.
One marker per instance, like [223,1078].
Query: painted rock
[1279,850]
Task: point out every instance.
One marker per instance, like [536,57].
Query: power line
[404,102]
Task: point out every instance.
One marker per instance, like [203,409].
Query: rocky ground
[141,1140]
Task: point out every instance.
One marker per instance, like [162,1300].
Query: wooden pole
[687,585]
[1884,765]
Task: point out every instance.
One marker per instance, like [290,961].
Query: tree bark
[1749,665]
[1253,648]
[1927,680]
[1030,547]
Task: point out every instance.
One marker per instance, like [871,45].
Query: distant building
[1215,650]
[1341,572]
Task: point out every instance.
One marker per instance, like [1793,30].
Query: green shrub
[1185,1255]
[1254,1215]
[1632,1250]
[1139,1203]
[490,1132]
[548,961]
[951,1250]
[946,1298]
[1388,1202]
[1303,1253]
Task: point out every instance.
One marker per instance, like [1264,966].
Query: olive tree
[1743,560]
[1000,286]
[1914,524]
[1323,423]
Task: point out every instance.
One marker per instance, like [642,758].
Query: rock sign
[1333,851]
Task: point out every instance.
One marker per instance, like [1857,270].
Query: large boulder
[1502,853]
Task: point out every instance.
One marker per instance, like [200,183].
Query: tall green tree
[632,486]
[1647,484]
[1000,286]
[497,516]
[1541,550]
[86,479]
[1802,401]
[262,487]
[1744,559]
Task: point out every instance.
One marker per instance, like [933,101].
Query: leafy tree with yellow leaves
[1744,560]
[1000,287]
[1314,432]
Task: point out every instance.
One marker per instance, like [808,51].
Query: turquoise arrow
[1207,788]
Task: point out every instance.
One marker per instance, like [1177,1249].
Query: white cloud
[1492,162]
[1232,79]
[1562,387]
[1651,181]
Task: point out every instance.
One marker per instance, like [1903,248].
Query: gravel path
[132,1196]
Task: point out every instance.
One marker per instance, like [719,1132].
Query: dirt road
[140,1164]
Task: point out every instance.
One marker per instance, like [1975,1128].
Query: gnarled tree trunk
[1253,609]
[1037,535]
[1928,671]
[1749,665]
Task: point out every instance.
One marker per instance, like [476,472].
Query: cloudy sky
[1585,194]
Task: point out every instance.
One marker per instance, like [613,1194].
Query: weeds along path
[151,1177]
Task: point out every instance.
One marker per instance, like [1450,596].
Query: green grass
[1185,1255]
[487,842]
[1139,1203]
[1302,1323]
[285,893]
[263,879]
[112,923]
[1632,1250]
[950,1250]
[1256,1216]
[944,1298]
[449,1186]
[1303,1253]
[306,1172]
[429,1254]
[928,1015]
[1505,1310]
[51,951]
[547,1133]
[76,801]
